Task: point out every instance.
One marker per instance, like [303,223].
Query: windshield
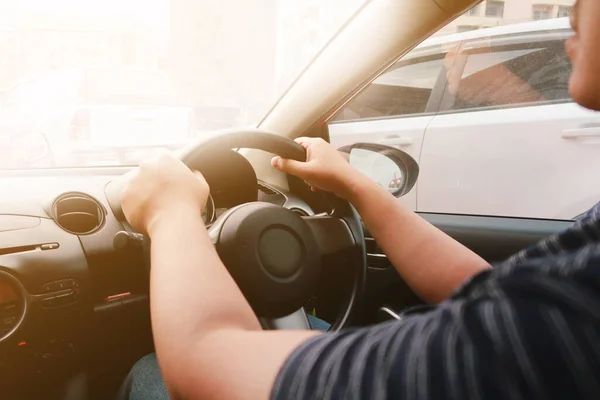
[90,83]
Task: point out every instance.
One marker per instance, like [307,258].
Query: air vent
[78,213]
[265,189]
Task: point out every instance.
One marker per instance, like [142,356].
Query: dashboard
[211,213]
[61,274]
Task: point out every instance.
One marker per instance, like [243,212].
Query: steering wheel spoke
[333,235]
[293,322]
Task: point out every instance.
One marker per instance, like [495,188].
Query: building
[235,57]
[223,54]
[36,43]
[491,13]
[303,28]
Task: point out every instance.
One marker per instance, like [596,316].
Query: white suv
[486,114]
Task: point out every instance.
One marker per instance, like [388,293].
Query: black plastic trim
[495,238]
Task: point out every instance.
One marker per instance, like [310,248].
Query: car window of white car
[405,89]
[508,71]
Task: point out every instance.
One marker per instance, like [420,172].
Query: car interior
[74,277]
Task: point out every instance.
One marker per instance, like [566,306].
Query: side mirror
[392,169]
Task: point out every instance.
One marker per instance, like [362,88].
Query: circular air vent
[78,213]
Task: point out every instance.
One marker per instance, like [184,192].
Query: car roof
[525,27]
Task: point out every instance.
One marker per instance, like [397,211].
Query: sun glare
[153,14]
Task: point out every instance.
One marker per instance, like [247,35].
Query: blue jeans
[145,381]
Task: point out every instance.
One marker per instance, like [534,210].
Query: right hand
[325,168]
[161,188]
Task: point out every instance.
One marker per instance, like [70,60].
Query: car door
[396,108]
[509,140]
[493,238]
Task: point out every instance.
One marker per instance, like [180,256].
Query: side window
[504,73]
[404,89]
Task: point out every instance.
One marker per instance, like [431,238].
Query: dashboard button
[49,246]
[51,287]
[71,283]
[9,322]
[63,299]
[7,308]
[49,302]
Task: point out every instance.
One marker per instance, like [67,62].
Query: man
[529,328]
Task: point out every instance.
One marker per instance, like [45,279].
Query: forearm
[431,262]
[192,296]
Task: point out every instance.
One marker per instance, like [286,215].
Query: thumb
[199,176]
[289,166]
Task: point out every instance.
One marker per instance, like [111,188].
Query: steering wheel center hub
[281,252]
[273,256]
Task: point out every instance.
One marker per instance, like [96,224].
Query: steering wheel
[273,254]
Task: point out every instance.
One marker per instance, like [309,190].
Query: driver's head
[584,52]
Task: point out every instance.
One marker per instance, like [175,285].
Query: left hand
[325,168]
[162,188]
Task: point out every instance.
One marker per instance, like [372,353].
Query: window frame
[488,8]
[474,11]
[567,8]
[437,92]
[514,39]
[541,15]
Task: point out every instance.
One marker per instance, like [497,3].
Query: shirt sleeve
[520,337]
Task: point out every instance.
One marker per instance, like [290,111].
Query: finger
[305,141]
[275,162]
[301,139]
[163,156]
[199,175]
[312,187]
[289,166]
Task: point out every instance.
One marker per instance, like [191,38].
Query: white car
[97,115]
[486,114]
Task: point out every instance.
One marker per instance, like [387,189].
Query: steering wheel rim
[342,217]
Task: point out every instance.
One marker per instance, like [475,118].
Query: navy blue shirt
[527,329]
